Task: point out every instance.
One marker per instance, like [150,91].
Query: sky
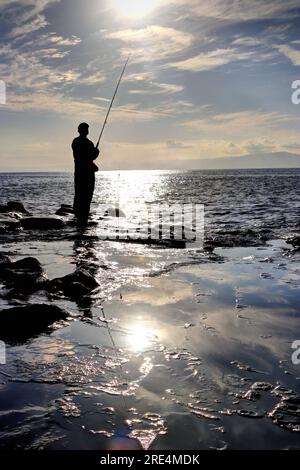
[206,79]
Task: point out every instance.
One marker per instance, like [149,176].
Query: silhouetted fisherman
[84,153]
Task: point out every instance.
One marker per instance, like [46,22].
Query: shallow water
[177,349]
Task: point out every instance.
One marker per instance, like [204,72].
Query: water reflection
[140,338]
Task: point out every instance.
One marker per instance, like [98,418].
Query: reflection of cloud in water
[161,293]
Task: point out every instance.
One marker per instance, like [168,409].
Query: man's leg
[89,193]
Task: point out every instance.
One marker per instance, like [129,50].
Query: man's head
[83,129]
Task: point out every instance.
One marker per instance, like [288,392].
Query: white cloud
[24,10]
[290,53]
[57,40]
[152,43]
[154,88]
[248,41]
[240,10]
[27,28]
[241,123]
[209,60]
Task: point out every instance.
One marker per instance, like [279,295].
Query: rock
[15,206]
[76,290]
[111,212]
[286,413]
[27,264]
[295,241]
[74,285]
[3,209]
[42,223]
[18,324]
[251,395]
[4,259]
[23,275]
[11,225]
[264,386]
[65,209]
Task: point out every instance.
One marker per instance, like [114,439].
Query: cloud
[240,123]
[158,89]
[209,60]
[247,41]
[290,53]
[27,28]
[139,77]
[23,10]
[240,10]
[152,43]
[55,39]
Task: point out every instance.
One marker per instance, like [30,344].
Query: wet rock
[76,290]
[64,210]
[74,285]
[15,206]
[281,391]
[27,264]
[251,395]
[238,237]
[286,413]
[111,212]
[10,221]
[42,223]
[18,324]
[3,209]
[250,414]
[11,225]
[4,259]
[264,386]
[295,241]
[23,275]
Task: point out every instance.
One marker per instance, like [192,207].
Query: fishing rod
[112,101]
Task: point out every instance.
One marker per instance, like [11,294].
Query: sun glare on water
[135,8]
[140,337]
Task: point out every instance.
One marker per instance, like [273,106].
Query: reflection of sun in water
[135,8]
[140,337]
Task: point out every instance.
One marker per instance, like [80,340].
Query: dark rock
[23,275]
[41,223]
[64,210]
[27,264]
[264,386]
[11,225]
[286,413]
[4,259]
[15,206]
[74,285]
[76,290]
[295,241]
[18,324]
[3,209]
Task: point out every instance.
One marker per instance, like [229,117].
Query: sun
[135,8]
